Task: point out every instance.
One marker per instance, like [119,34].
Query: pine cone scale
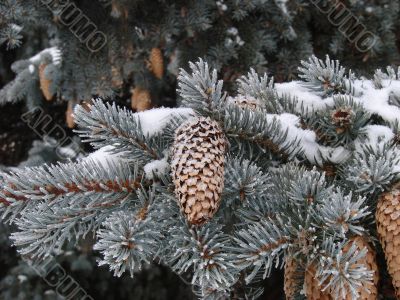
[388,227]
[366,291]
[313,289]
[291,278]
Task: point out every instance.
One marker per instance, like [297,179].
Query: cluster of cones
[140,99]
[388,227]
[314,290]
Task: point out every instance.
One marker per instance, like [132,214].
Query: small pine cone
[388,226]
[69,114]
[129,52]
[312,288]
[369,261]
[118,11]
[245,102]
[292,279]
[116,78]
[198,168]
[45,82]
[156,61]
[141,99]
[87,105]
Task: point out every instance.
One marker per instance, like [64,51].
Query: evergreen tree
[74,50]
[223,189]
[229,187]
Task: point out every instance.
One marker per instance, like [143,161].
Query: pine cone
[118,11]
[198,168]
[45,82]
[141,99]
[116,78]
[314,290]
[292,279]
[156,62]
[369,261]
[69,114]
[388,226]
[312,287]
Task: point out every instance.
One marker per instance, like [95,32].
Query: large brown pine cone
[198,168]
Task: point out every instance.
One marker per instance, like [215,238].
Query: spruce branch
[259,87]
[373,168]
[381,76]
[44,230]
[106,124]
[395,126]
[327,77]
[245,126]
[340,271]
[260,245]
[85,183]
[244,181]
[341,123]
[343,214]
[201,90]
[205,251]
[210,293]
[127,241]
[72,210]
[262,88]
[295,187]
[256,210]
[11,36]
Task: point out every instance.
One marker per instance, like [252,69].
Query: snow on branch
[138,136]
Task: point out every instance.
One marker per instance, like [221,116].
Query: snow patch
[54,52]
[153,121]
[31,69]
[375,136]
[378,133]
[376,101]
[16,27]
[104,156]
[313,151]
[22,278]
[157,168]
[309,99]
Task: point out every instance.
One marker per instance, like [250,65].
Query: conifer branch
[374,168]
[200,90]
[260,246]
[205,250]
[244,125]
[328,77]
[106,124]
[69,184]
[244,181]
